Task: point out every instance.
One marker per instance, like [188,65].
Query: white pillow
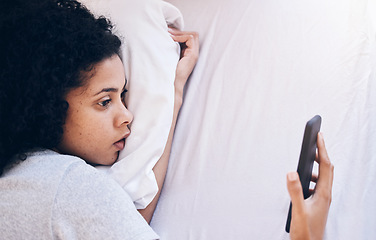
[150,57]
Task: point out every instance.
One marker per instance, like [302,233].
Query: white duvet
[265,68]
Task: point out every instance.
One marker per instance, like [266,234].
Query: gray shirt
[53,196]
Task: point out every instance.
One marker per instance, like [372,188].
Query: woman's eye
[123,95]
[105,103]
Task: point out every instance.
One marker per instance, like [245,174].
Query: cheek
[89,134]
[78,128]
[95,132]
[83,120]
[97,126]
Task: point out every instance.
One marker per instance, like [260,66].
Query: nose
[124,116]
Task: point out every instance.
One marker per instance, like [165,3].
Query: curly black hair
[46,47]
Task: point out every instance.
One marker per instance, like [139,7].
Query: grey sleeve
[90,205]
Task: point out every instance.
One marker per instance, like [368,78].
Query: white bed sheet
[265,68]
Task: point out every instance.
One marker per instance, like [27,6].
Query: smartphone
[306,159]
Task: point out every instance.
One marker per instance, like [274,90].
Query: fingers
[313,210]
[190,39]
[314,178]
[326,169]
[189,43]
[176,32]
[182,36]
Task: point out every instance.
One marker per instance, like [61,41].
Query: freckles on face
[97,121]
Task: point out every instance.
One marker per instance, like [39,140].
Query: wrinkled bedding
[265,68]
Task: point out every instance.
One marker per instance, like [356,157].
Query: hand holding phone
[309,216]
[306,159]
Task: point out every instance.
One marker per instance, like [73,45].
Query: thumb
[299,222]
[296,193]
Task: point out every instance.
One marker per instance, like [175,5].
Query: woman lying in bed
[62,110]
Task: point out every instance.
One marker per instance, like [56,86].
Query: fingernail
[292,176]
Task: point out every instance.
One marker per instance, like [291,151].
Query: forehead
[108,73]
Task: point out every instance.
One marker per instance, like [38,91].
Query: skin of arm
[309,216]
[189,55]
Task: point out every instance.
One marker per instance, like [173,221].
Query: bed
[265,68]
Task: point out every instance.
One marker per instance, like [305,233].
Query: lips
[120,144]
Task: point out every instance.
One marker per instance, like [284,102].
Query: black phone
[306,159]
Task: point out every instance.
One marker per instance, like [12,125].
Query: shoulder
[71,200]
[43,169]
[90,205]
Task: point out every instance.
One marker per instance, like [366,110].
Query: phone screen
[306,159]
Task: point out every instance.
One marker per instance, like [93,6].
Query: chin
[111,160]
[105,161]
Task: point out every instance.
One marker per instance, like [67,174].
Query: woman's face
[97,120]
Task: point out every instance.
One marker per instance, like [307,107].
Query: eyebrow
[107,90]
[111,89]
